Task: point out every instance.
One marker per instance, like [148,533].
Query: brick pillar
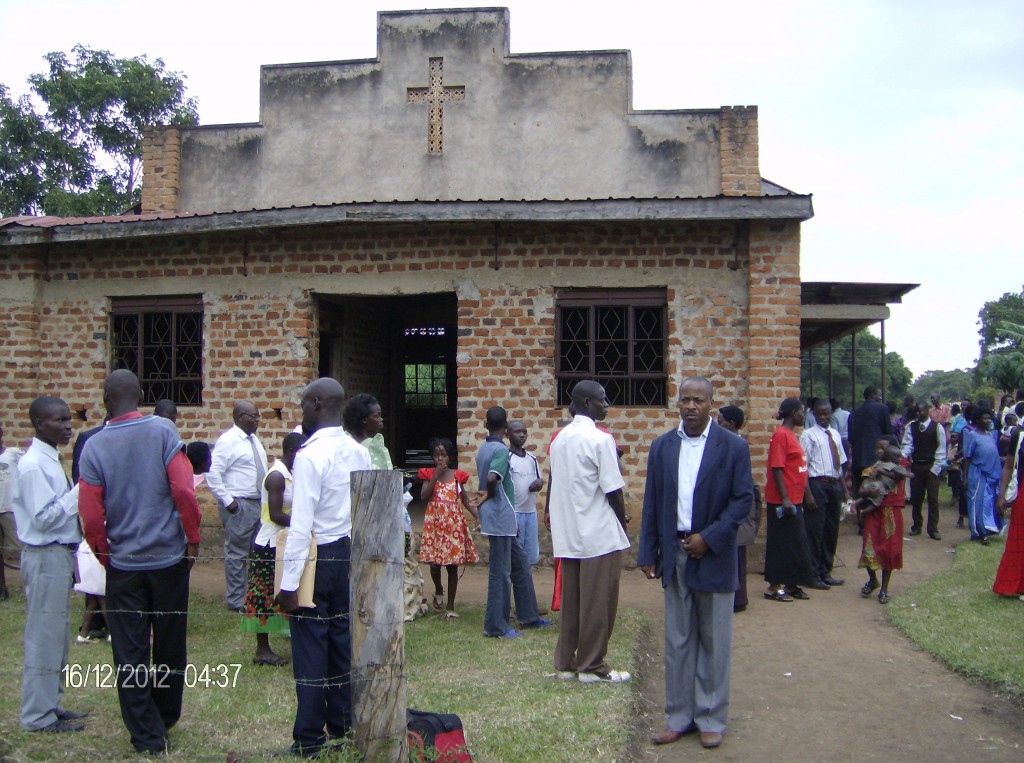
[161,164]
[774,329]
[738,151]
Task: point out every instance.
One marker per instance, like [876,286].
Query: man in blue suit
[699,490]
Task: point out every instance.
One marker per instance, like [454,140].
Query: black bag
[436,737]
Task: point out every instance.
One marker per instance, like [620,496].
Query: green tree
[814,367]
[81,154]
[996,321]
[1001,328]
[948,385]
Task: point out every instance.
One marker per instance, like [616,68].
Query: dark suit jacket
[721,501]
[869,422]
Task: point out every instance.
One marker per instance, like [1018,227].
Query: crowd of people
[131,517]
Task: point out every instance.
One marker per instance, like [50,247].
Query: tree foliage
[80,151]
[1001,328]
[814,367]
[996,322]
[948,385]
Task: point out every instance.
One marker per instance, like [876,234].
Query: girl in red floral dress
[446,541]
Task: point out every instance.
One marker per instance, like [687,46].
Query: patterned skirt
[882,544]
[261,615]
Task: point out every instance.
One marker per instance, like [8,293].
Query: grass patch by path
[954,616]
[510,711]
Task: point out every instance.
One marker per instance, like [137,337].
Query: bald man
[236,481]
[321,504]
[140,514]
[588,533]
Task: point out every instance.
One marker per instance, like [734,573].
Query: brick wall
[734,311]
[738,147]
[161,165]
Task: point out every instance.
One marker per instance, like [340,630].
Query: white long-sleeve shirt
[233,470]
[321,496]
[45,503]
[940,452]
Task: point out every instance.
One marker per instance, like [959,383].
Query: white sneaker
[80,639]
[613,677]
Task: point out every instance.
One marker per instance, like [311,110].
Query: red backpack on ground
[436,737]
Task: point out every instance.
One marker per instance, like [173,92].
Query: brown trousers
[590,601]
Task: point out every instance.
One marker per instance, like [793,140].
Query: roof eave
[792,207]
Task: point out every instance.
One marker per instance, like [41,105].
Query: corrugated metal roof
[35,230]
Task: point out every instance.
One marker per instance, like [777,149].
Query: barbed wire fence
[375,625]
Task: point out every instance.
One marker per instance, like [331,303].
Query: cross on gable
[434,96]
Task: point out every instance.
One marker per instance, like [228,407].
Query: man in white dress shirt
[823,445]
[46,512]
[321,504]
[236,480]
[588,533]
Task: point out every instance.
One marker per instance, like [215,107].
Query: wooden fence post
[377,615]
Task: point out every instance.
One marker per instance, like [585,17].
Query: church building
[447,226]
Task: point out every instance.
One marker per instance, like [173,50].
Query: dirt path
[857,690]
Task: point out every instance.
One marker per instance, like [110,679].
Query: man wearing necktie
[236,481]
[825,458]
[46,513]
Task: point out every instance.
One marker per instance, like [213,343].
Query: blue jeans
[508,567]
[527,537]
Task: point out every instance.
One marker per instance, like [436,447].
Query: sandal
[436,603]
[779,595]
[799,593]
[883,598]
[451,616]
[868,588]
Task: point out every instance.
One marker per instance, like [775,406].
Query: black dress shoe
[820,585]
[68,715]
[61,727]
[935,535]
[960,522]
[915,530]
[832,581]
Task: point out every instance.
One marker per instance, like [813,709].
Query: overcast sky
[903,118]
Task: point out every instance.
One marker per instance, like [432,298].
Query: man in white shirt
[236,481]
[588,532]
[924,443]
[823,445]
[10,549]
[321,504]
[698,491]
[46,510]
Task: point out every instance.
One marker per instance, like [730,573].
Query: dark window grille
[160,340]
[426,384]
[617,338]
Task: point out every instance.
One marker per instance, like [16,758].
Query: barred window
[616,337]
[160,340]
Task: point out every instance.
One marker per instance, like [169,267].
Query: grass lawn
[510,711]
[955,616]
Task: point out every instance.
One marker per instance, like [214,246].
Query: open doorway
[402,351]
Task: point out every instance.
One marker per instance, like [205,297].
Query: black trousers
[140,602]
[829,497]
[322,654]
[922,481]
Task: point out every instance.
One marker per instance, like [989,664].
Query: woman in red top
[787,561]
